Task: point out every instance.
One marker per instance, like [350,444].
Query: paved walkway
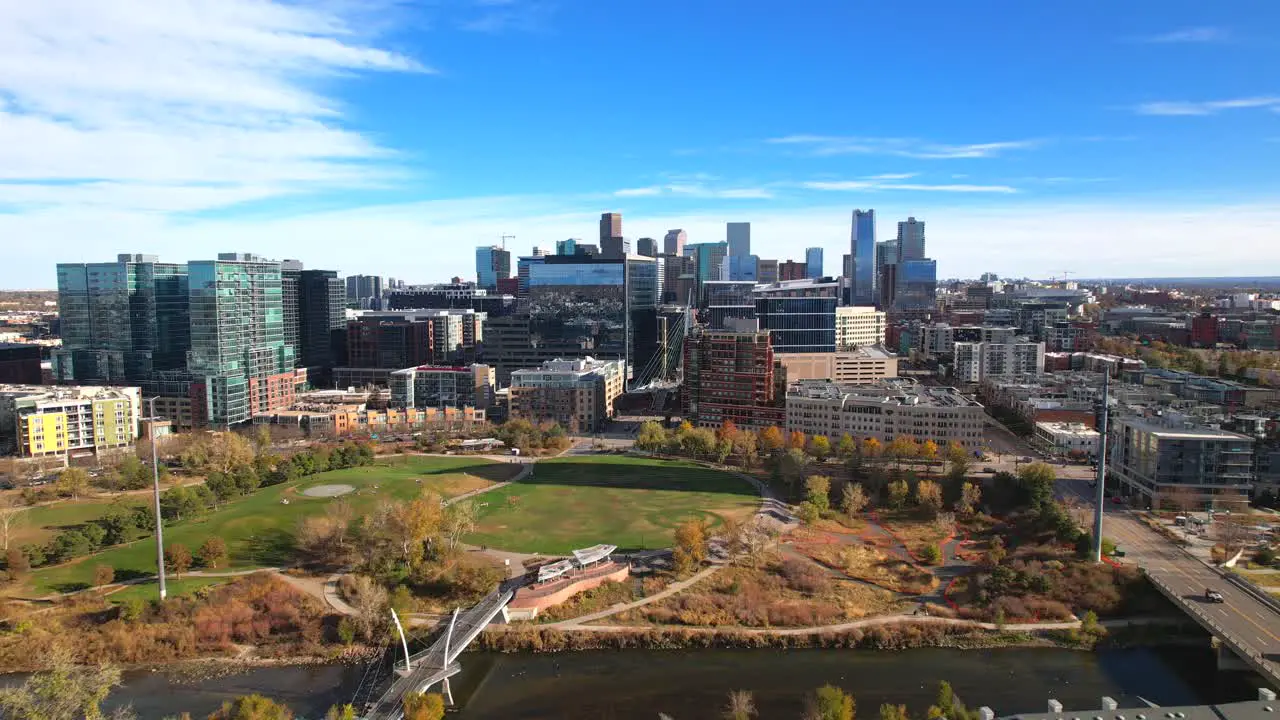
[840,627]
[672,589]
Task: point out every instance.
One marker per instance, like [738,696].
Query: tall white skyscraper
[911,240]
[739,237]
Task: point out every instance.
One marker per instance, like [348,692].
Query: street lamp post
[155,477]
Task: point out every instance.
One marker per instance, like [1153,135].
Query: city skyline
[1142,141]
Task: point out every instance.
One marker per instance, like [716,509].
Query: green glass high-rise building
[239,359]
[121,321]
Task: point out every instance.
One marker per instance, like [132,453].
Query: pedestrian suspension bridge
[386,682]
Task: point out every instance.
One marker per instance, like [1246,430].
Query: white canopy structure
[554,570]
[595,553]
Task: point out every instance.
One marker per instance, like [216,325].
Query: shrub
[805,576]
[346,631]
[103,575]
[932,554]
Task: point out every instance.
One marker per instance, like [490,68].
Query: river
[688,685]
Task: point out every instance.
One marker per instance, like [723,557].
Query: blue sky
[1103,138]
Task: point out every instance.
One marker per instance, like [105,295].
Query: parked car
[989,469]
[1213,596]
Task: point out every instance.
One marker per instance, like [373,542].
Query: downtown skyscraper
[862,244]
[813,262]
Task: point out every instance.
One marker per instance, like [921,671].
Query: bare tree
[11,517]
[740,706]
[457,520]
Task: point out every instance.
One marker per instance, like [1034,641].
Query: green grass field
[172,588]
[634,503]
[41,523]
[259,529]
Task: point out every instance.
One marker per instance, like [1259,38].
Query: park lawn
[40,523]
[173,587]
[259,528]
[634,503]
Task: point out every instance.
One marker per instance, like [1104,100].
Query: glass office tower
[917,285]
[813,262]
[863,250]
[121,321]
[237,334]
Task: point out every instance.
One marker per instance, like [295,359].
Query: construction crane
[1063,273]
[505,238]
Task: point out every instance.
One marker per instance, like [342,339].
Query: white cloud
[1190,35]
[1211,107]
[696,189]
[822,145]
[872,184]
[180,106]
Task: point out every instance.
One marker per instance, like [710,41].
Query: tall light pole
[1102,471]
[155,477]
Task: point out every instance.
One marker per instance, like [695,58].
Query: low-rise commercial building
[1067,439]
[44,421]
[732,376]
[578,394]
[1168,462]
[885,410]
[859,326]
[325,420]
[867,364]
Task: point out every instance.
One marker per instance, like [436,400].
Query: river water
[689,685]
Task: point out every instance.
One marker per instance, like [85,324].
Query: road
[1248,620]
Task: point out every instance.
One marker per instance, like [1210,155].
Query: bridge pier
[1228,660]
[448,693]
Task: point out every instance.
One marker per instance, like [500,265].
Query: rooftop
[1173,429]
[67,392]
[888,391]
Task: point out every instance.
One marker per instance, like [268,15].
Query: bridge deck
[436,663]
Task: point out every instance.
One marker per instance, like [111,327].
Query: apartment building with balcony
[1167,462]
[44,421]
[732,376]
[578,394]
[885,410]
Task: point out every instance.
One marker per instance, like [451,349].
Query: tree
[16,563]
[728,432]
[747,449]
[411,524]
[932,554]
[699,442]
[808,513]
[929,496]
[72,482]
[970,497]
[902,448]
[457,520]
[177,559]
[872,448]
[847,447]
[341,712]
[252,707]
[213,553]
[817,490]
[740,706]
[423,706]
[262,438]
[66,691]
[894,712]
[724,449]
[796,440]
[1036,480]
[899,490]
[103,575]
[371,603]
[229,450]
[853,499]
[820,447]
[690,546]
[958,459]
[11,517]
[791,467]
[929,451]
[770,440]
[832,703]
[996,552]
[652,436]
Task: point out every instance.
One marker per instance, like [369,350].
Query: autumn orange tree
[770,440]
[796,440]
